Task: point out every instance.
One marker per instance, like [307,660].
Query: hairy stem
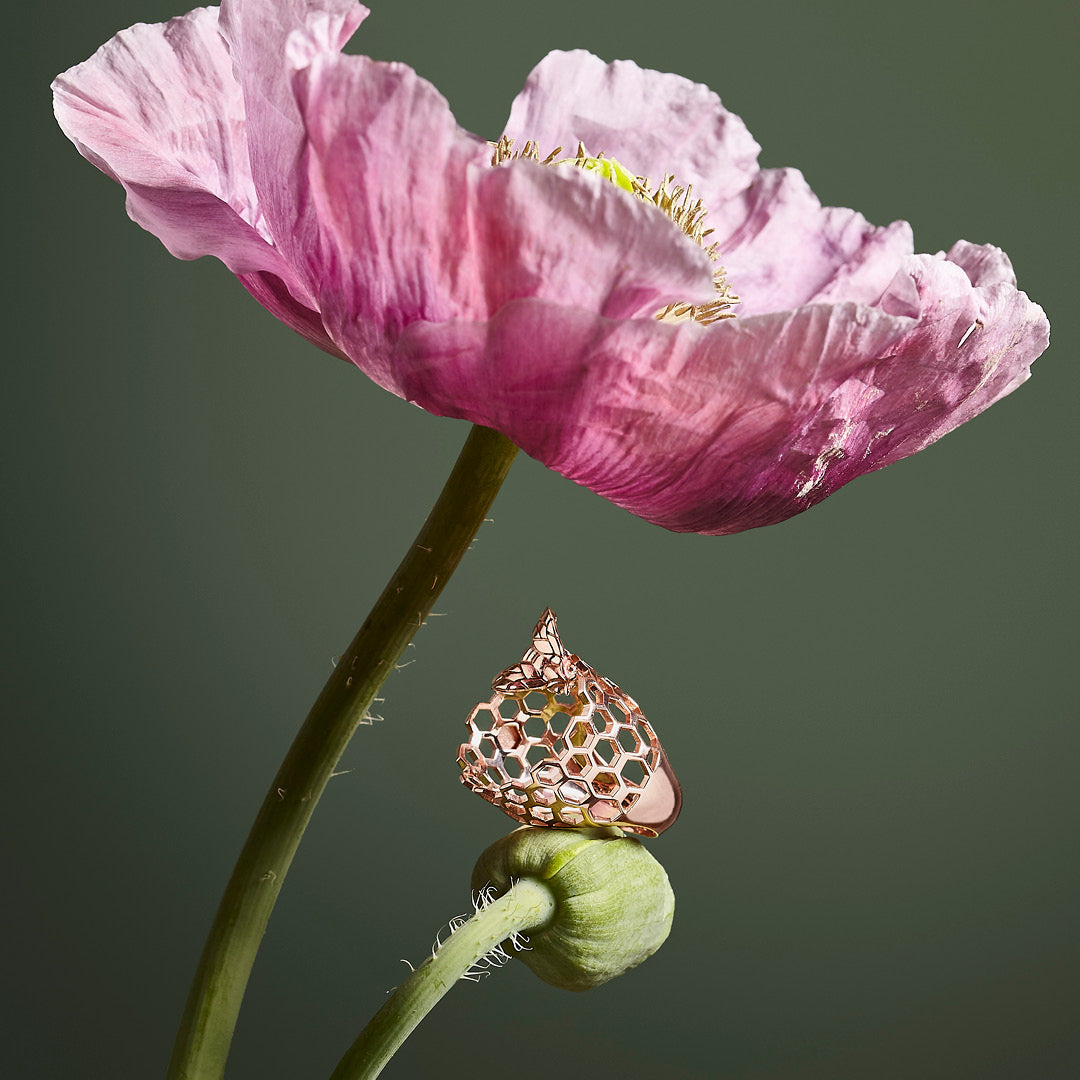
[213,1004]
[528,904]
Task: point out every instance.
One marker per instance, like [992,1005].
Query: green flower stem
[213,1004]
[528,904]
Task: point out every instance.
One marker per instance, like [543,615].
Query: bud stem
[528,904]
[206,1029]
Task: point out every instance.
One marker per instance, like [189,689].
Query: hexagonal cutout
[487,748]
[573,791]
[508,709]
[483,717]
[600,720]
[581,734]
[628,740]
[534,727]
[536,754]
[514,768]
[509,736]
[549,775]
[605,783]
[542,815]
[634,773]
[535,701]
[577,764]
[559,722]
[606,751]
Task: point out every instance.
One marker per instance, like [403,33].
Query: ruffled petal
[415,225]
[271,40]
[867,273]
[782,248]
[157,108]
[687,427]
[970,347]
[654,123]
[742,424]
[984,264]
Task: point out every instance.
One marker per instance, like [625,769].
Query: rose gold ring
[559,745]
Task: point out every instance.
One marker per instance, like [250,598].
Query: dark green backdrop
[871,708]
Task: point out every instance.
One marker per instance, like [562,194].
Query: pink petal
[270,41]
[971,347]
[415,225]
[984,264]
[742,424]
[683,426]
[782,248]
[157,108]
[654,123]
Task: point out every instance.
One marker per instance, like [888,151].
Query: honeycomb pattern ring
[559,745]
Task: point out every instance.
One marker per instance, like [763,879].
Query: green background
[872,707]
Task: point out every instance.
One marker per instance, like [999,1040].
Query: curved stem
[213,1004]
[528,904]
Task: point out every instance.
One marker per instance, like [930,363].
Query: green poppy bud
[613,902]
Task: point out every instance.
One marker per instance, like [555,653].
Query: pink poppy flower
[524,297]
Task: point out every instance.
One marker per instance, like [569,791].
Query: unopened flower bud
[614,904]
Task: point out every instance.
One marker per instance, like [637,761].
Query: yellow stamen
[670,199]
